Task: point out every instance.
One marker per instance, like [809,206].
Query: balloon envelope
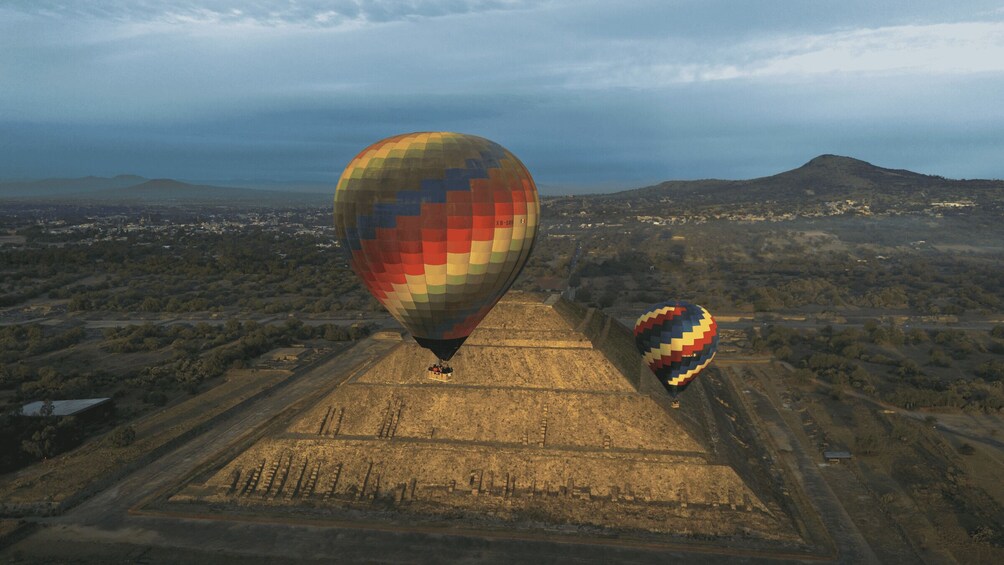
[677,341]
[437,225]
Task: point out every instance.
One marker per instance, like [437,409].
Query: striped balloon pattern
[438,226]
[677,341]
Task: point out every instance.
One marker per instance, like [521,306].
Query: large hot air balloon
[677,341]
[437,225]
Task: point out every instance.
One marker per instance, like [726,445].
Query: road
[895,547]
[803,463]
[115,320]
[747,323]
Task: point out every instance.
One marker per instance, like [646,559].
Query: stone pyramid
[536,428]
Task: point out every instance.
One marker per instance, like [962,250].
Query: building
[552,284]
[85,408]
[289,354]
[836,456]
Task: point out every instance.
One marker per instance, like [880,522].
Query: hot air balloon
[437,225]
[677,340]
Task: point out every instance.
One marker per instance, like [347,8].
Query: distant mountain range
[131,189]
[825,178]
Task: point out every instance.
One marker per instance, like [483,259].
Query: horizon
[320,187]
[591,97]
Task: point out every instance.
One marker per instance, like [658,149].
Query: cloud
[585,91]
[280,13]
[934,49]
[940,48]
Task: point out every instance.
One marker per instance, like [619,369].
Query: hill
[130,189]
[59,186]
[824,178]
[169,191]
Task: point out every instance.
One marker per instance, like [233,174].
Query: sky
[590,95]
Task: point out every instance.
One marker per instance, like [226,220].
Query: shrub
[122,436]
[155,397]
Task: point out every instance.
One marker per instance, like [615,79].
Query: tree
[803,375]
[938,358]
[42,443]
[122,436]
[916,336]
[333,332]
[992,370]
[293,325]
[852,351]
[907,369]
[880,336]
[784,353]
[358,332]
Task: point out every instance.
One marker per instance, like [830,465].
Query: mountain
[58,186]
[129,189]
[169,191]
[824,178]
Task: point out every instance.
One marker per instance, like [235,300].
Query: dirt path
[955,424]
[850,543]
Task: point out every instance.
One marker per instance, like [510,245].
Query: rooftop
[63,407]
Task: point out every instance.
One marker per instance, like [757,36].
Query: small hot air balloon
[677,341]
[437,225]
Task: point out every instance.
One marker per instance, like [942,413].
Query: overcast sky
[590,95]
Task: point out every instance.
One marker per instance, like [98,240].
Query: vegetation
[895,274]
[177,359]
[171,360]
[766,268]
[122,436]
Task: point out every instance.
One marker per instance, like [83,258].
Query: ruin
[538,426]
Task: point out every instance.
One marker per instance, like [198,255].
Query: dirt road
[803,463]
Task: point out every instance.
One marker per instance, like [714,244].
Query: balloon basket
[675,404]
[441,373]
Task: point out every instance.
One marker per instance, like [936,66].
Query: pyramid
[536,427]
